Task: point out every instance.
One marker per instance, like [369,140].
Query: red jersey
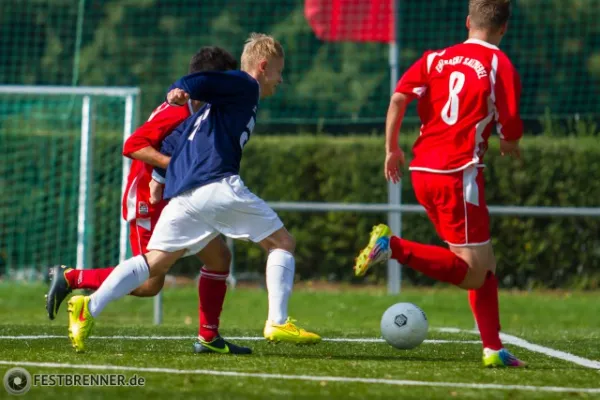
[462,91]
[136,200]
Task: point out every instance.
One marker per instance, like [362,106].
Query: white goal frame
[131,96]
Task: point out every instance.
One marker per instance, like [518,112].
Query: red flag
[351,20]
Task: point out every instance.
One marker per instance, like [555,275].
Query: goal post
[61,208]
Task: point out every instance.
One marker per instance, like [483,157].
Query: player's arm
[142,144]
[167,147]
[157,184]
[508,119]
[394,157]
[214,87]
[149,155]
[412,85]
[159,173]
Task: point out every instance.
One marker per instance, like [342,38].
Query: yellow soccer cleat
[377,251]
[289,333]
[81,321]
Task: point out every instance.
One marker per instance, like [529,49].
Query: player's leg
[243,215]
[482,287]
[280,272]
[140,234]
[456,207]
[176,233]
[92,278]
[475,248]
[123,280]
[433,192]
[211,290]
[180,231]
[65,279]
[212,287]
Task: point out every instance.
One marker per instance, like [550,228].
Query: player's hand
[156,192]
[394,161]
[177,97]
[510,148]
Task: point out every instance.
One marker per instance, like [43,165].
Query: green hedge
[553,252]
[546,251]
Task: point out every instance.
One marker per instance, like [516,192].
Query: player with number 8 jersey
[463,91]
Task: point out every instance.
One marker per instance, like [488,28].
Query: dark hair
[489,14]
[212,58]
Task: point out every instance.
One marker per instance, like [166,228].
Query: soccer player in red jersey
[142,211]
[462,92]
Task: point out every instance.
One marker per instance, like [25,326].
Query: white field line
[248,338]
[314,378]
[563,355]
[509,339]
[547,351]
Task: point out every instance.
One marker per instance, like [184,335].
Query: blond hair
[489,14]
[258,47]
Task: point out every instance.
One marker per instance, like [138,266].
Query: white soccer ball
[404,326]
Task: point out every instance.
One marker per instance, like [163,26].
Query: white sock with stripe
[280,281]
[126,277]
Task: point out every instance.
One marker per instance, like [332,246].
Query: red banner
[351,20]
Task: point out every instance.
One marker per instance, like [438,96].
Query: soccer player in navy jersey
[208,198]
[142,211]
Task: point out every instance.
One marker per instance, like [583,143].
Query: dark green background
[554,44]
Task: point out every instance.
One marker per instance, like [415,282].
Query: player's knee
[150,288]
[149,291]
[480,260]
[155,286]
[222,262]
[287,242]
[281,239]
[477,281]
[475,277]
[159,262]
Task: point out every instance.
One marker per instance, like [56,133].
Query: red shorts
[455,204]
[140,232]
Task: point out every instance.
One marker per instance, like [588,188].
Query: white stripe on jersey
[132,200]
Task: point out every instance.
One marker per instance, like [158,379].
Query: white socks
[280,280]
[126,277]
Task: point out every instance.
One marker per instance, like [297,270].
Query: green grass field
[567,322]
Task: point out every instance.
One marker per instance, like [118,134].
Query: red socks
[484,304]
[211,291]
[87,278]
[436,262]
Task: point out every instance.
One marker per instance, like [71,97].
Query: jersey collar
[482,43]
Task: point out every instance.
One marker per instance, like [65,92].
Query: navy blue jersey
[207,147]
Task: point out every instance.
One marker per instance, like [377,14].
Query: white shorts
[194,218]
